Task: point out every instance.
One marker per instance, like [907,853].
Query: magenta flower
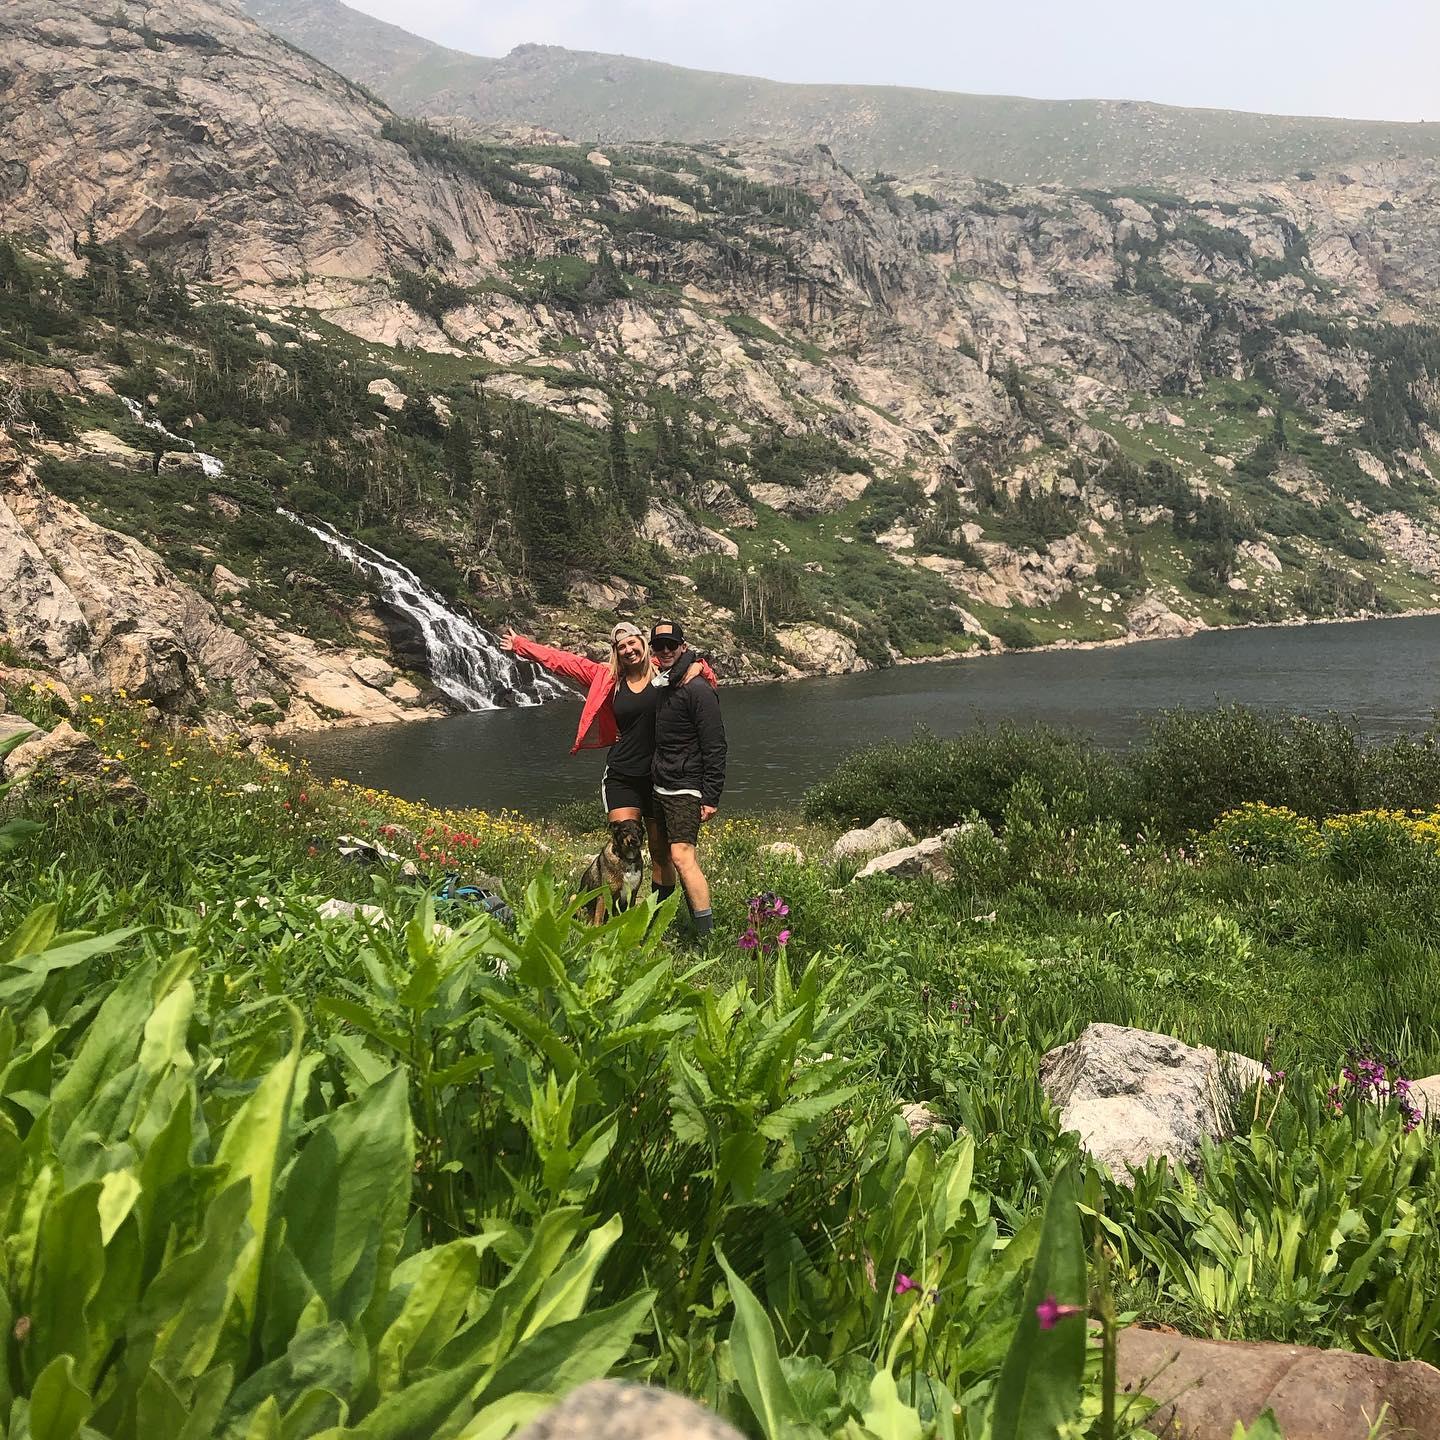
[1049,1311]
[749,940]
[904,1283]
[783,938]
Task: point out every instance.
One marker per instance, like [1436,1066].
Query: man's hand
[707,812]
[507,639]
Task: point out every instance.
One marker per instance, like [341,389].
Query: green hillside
[609,97]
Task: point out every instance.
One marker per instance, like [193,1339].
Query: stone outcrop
[883,835]
[611,1410]
[818,650]
[1204,1387]
[1133,1095]
[101,609]
[672,529]
[71,758]
[920,1119]
[372,672]
[925,860]
[821,496]
[166,143]
[1150,618]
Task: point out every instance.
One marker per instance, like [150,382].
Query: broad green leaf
[1040,1382]
[14,833]
[1264,1428]
[415,1412]
[326,1357]
[563,1356]
[506,1416]
[167,1029]
[69,1266]
[887,1416]
[251,1151]
[32,935]
[264,1424]
[119,1191]
[185,1306]
[109,1047]
[346,1196]
[364,1020]
[58,1406]
[492,1336]
[566,1292]
[756,1359]
[442,1282]
[22,979]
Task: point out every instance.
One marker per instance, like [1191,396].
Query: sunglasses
[664,644]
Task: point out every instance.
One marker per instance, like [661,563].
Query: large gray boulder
[610,1410]
[884,835]
[925,860]
[1132,1095]
[1205,1386]
[1425,1095]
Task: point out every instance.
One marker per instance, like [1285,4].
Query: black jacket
[690,736]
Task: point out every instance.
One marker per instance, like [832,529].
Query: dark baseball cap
[667,630]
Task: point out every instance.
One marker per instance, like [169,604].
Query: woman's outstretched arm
[567,663]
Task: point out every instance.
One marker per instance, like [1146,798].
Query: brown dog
[617,870]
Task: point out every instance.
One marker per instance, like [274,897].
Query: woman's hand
[507,639]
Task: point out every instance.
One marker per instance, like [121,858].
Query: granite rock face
[1205,1386]
[1133,1095]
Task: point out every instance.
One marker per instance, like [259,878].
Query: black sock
[663,892]
[704,921]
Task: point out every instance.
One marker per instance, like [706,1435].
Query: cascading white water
[465,661]
[210,464]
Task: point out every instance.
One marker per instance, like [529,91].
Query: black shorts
[679,818]
[627,792]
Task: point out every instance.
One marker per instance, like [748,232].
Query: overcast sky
[1374,59]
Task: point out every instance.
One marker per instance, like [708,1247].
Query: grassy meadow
[264,1173]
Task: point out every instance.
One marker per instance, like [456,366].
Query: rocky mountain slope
[837,421]
[617,98]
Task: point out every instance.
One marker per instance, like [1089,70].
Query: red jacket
[598,730]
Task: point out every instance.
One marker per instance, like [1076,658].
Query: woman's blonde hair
[647,660]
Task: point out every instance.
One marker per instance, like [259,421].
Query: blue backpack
[453,893]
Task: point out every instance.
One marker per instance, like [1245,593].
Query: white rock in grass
[1425,1094]
[784,850]
[1132,1094]
[885,834]
[925,860]
[613,1410]
[920,1119]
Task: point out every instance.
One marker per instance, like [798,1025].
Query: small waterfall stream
[466,663]
[210,464]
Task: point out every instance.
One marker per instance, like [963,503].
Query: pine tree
[626,481]
[459,455]
[542,513]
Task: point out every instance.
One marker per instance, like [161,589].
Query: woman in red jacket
[619,712]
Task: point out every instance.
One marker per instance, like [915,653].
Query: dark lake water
[784,737]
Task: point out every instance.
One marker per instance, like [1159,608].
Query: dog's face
[627,840]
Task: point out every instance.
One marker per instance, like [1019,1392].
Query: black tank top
[632,753]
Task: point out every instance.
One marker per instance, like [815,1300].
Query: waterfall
[212,466]
[466,663]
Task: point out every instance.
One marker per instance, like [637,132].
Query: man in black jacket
[689,765]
